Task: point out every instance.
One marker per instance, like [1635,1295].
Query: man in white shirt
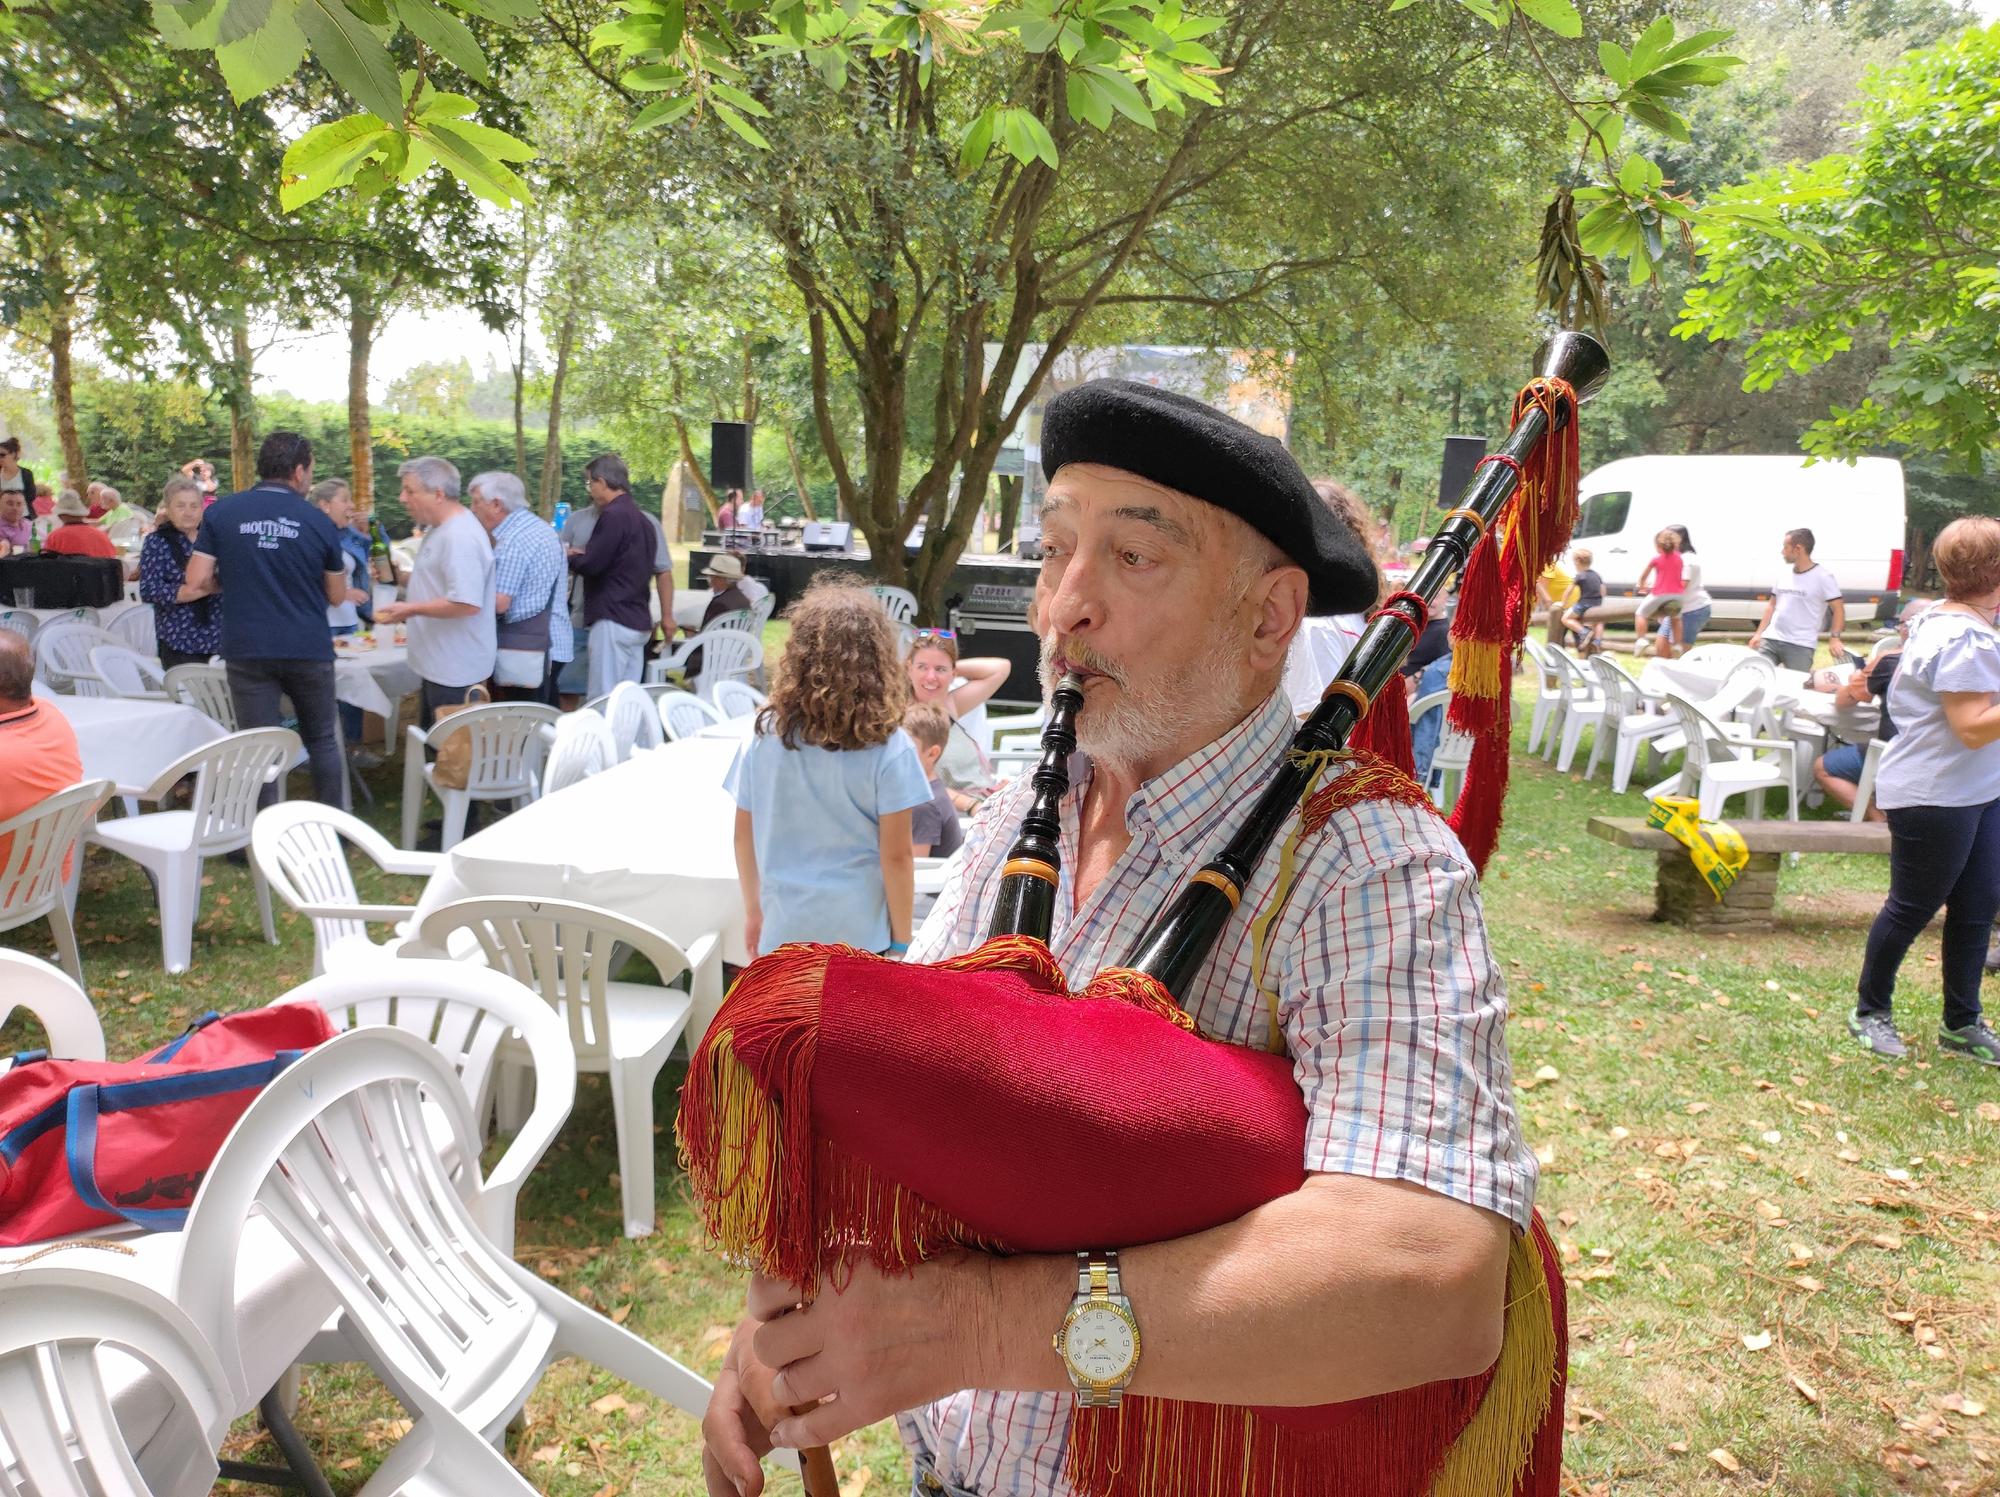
[750,515]
[1788,633]
[450,608]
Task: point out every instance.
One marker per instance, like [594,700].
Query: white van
[1737,510]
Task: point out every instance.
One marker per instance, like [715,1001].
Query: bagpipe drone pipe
[844,1106]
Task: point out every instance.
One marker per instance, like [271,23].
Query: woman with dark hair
[1696,603]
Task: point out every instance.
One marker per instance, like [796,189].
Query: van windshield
[1603,514]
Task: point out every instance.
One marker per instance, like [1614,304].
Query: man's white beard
[1148,718]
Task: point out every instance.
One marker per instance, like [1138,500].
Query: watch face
[1101,1344]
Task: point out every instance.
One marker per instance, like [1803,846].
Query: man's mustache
[1077,657]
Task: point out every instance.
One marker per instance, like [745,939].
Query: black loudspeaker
[729,455]
[1461,456]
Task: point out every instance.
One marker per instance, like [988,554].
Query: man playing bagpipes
[1181,552]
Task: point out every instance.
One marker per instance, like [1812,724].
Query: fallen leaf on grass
[1806,1390]
[1696,1108]
[547,1455]
[1988,1112]
[1757,1341]
[610,1403]
[1848,1156]
[856,1484]
[1808,1283]
[1628,1346]
[1889,1242]
[1725,1460]
[620,1315]
[1677,1447]
[1958,1403]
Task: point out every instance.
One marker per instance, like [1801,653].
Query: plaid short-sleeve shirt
[1389,1003]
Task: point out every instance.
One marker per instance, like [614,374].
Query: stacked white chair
[737,699]
[54,1000]
[33,849]
[1719,766]
[68,1334]
[683,714]
[62,656]
[135,627]
[507,749]
[206,689]
[567,952]
[742,620]
[582,746]
[300,847]
[1631,721]
[340,1160]
[1583,705]
[127,673]
[229,775]
[21,622]
[634,720]
[1446,776]
[1548,691]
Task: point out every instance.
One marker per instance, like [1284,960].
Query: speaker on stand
[1461,456]
[729,456]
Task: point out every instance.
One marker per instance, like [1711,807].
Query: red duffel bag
[85,1144]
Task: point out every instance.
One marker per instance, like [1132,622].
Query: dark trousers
[258,688]
[1939,856]
[434,696]
[170,657]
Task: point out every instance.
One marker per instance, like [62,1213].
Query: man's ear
[1278,604]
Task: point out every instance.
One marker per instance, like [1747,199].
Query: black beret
[1188,445]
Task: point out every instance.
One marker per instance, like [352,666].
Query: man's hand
[356,595]
[753,931]
[392,613]
[872,1348]
[736,1430]
[1756,639]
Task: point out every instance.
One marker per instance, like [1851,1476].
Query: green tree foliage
[439,390]
[1900,235]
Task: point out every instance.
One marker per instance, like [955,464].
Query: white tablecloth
[689,605]
[131,742]
[653,839]
[374,680]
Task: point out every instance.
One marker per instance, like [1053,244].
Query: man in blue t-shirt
[279,560]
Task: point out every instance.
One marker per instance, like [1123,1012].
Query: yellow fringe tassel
[1475,669]
[1497,1440]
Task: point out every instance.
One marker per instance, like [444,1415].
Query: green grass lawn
[1781,1253]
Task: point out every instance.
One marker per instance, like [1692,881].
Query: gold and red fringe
[1368,776]
[1385,731]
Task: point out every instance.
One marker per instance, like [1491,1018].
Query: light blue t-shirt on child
[815,820]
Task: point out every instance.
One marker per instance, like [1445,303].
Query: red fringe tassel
[1385,731]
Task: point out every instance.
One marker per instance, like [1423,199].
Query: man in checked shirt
[1181,552]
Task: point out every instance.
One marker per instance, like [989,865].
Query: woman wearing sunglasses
[965,769]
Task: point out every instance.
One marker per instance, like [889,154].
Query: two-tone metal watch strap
[1097,1277]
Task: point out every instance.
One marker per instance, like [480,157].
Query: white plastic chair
[683,714]
[54,1000]
[737,699]
[1864,788]
[300,848]
[135,627]
[567,952]
[1583,705]
[634,720]
[229,774]
[582,746]
[68,1333]
[127,673]
[339,1158]
[1633,722]
[1723,653]
[507,749]
[899,603]
[742,620]
[62,656]
[1452,756]
[21,622]
[1548,691]
[761,609]
[1719,767]
[206,689]
[464,1011]
[724,653]
[33,848]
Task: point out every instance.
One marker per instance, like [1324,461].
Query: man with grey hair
[530,590]
[449,608]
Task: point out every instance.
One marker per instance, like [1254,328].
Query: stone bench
[1752,901]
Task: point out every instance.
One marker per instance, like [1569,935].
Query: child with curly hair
[825,787]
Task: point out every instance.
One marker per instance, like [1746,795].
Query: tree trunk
[552,448]
[242,411]
[361,323]
[701,485]
[1010,509]
[520,389]
[62,377]
[798,473]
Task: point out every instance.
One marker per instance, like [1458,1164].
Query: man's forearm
[1347,1288]
[440,608]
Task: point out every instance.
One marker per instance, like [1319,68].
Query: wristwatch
[1099,1337]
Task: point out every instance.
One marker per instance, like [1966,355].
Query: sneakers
[1876,1033]
[367,759]
[1976,1042]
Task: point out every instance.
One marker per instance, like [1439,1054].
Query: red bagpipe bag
[845,1106]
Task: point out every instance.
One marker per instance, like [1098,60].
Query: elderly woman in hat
[1182,550]
[75,534]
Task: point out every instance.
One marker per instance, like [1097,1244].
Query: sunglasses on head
[924,635]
